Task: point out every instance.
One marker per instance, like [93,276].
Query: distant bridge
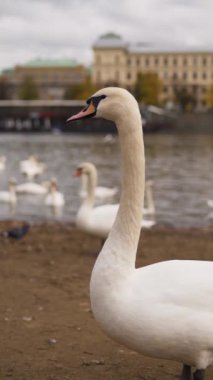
[47,115]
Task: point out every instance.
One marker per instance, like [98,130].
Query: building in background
[181,72]
[50,77]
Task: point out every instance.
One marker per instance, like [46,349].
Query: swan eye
[95,100]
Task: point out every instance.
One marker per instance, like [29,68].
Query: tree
[3,89]
[147,88]
[210,97]
[28,89]
[184,97]
[81,90]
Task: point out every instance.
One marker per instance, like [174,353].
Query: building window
[165,61]
[204,75]
[128,61]
[184,75]
[175,61]
[156,61]
[195,60]
[204,61]
[138,61]
[194,75]
[128,75]
[174,76]
[147,61]
[184,61]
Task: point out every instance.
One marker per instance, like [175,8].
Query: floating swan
[32,188]
[54,198]
[101,192]
[210,202]
[32,167]
[10,195]
[2,162]
[98,220]
[163,310]
[109,139]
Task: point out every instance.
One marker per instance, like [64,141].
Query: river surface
[180,166]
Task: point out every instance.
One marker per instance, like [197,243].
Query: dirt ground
[47,328]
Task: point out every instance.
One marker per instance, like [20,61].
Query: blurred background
[56,54]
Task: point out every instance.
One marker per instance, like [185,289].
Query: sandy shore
[47,328]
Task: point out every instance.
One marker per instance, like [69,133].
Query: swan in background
[163,310]
[2,162]
[210,202]
[9,196]
[32,167]
[150,209]
[108,139]
[101,192]
[98,220]
[33,188]
[54,197]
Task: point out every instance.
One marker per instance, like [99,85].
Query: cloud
[68,28]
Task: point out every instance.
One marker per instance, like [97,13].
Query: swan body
[32,167]
[101,192]
[163,310]
[98,220]
[32,188]
[54,198]
[10,195]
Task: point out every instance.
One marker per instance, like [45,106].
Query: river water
[179,164]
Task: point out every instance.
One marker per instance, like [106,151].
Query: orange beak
[88,111]
[77,173]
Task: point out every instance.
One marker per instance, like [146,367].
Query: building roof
[47,62]
[112,41]
[148,48]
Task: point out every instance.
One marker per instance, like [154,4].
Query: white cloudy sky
[68,28]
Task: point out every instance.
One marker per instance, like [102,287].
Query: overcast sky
[68,28]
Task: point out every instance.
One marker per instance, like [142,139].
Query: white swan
[210,202]
[54,198]
[2,163]
[98,220]
[32,167]
[163,310]
[32,188]
[10,195]
[108,139]
[101,192]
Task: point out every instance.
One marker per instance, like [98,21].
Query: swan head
[53,183]
[111,103]
[85,168]
[12,183]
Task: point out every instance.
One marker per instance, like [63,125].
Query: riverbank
[47,328]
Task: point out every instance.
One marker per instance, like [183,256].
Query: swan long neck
[91,181]
[124,236]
